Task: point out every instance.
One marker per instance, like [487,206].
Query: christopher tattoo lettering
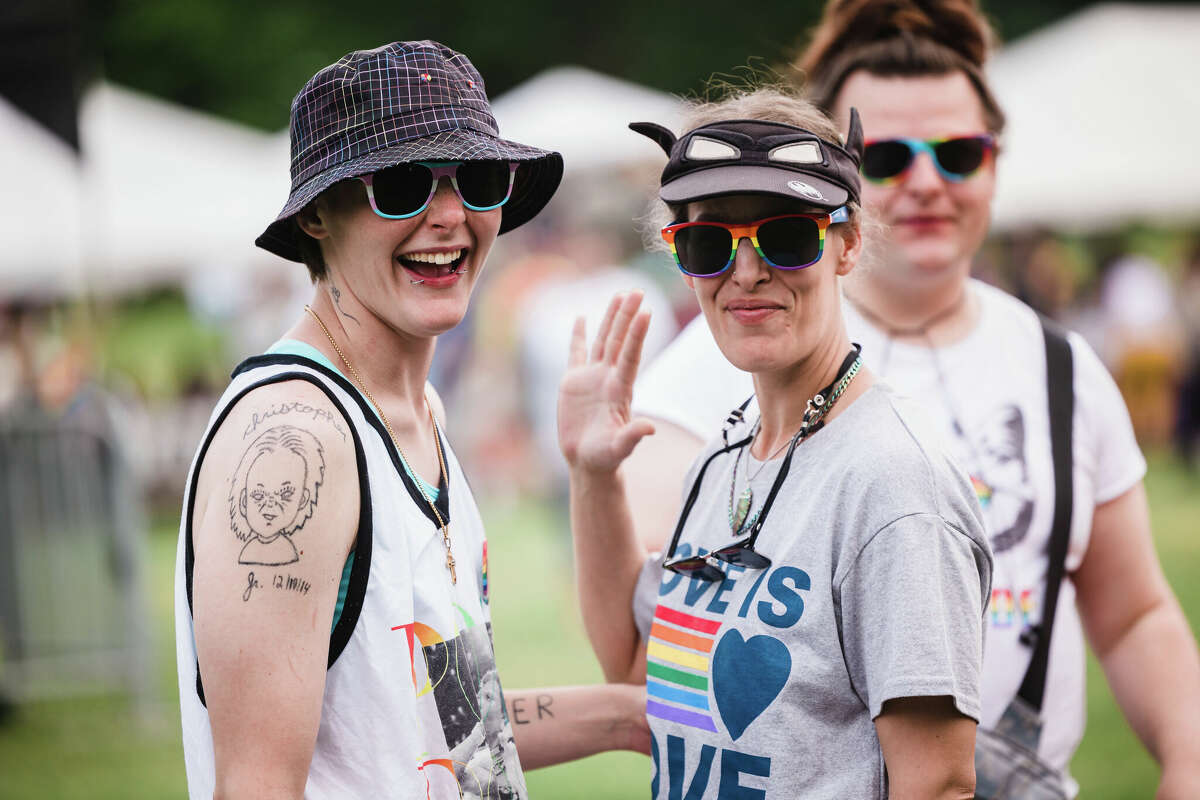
[302,409]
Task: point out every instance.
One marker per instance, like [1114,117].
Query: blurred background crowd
[143,146]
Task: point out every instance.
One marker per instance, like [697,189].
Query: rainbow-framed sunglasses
[787,241]
[885,161]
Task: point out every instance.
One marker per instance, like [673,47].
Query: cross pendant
[450,566]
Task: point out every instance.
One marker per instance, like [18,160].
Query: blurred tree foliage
[154,343]
[246,60]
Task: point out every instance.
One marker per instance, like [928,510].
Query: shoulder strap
[1061,400]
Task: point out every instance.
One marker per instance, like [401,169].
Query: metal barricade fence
[72,615]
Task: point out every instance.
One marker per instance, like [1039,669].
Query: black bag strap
[1061,400]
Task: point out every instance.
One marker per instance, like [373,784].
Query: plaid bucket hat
[403,102]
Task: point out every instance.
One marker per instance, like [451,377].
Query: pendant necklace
[814,419]
[738,514]
[437,441]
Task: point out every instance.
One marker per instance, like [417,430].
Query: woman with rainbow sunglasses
[814,628]
[977,359]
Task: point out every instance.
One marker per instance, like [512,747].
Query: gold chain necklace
[436,441]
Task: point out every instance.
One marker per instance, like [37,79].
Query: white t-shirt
[995,388]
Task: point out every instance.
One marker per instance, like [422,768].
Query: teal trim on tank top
[343,588]
[295,347]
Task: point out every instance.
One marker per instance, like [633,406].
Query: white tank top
[412,704]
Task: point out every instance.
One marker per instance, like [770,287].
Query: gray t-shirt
[766,685]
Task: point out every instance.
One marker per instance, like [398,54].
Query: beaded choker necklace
[814,419]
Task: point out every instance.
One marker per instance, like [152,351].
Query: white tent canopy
[160,194]
[166,194]
[1102,111]
[584,115]
[170,190]
[39,206]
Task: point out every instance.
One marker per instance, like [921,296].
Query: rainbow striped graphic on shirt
[677,668]
[1002,608]
[1027,605]
[982,491]
[483,578]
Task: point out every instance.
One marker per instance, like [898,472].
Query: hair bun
[846,24]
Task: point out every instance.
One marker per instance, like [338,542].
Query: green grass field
[105,748]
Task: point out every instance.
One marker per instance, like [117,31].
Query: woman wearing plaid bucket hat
[816,617]
[332,620]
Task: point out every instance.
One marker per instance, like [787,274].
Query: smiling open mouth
[434,265]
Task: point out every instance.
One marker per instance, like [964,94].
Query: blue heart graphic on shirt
[747,674]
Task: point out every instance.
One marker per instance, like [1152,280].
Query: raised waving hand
[595,428]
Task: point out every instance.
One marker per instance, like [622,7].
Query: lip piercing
[461,270]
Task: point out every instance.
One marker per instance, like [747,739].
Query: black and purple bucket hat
[403,102]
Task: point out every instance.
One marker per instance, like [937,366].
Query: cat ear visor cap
[757,157]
